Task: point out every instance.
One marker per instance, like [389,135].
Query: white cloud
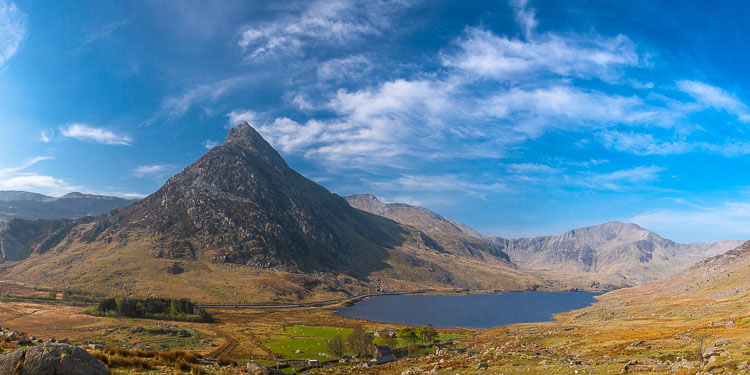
[696,222]
[326,22]
[37,183]
[176,106]
[302,102]
[616,180]
[209,144]
[648,144]
[344,68]
[715,97]
[132,195]
[443,183]
[28,163]
[534,111]
[238,116]
[45,136]
[643,144]
[152,170]
[531,168]
[105,31]
[524,17]
[12,30]
[485,54]
[373,125]
[14,178]
[87,133]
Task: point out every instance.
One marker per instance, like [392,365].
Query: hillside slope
[25,205]
[240,225]
[450,234]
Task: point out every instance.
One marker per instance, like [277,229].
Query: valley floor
[660,334]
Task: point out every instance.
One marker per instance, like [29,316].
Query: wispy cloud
[176,106]
[700,222]
[716,98]
[239,116]
[15,178]
[152,170]
[88,133]
[443,183]
[45,136]
[328,22]
[482,53]
[12,30]
[105,31]
[531,168]
[209,144]
[28,163]
[344,68]
[643,144]
[524,17]
[616,180]
[101,33]
[37,183]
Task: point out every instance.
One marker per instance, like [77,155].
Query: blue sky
[516,118]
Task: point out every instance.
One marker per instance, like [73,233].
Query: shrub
[226,361]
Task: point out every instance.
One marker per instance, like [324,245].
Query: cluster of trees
[361,343]
[427,335]
[151,308]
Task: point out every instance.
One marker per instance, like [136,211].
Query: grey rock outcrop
[51,359]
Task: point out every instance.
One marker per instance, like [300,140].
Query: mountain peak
[245,133]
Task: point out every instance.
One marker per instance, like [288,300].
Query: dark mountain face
[449,235]
[24,205]
[241,203]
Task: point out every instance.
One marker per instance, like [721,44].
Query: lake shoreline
[467,311]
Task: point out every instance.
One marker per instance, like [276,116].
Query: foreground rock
[49,359]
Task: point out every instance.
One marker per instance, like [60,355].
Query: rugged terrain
[240,225]
[606,256]
[25,205]
[617,253]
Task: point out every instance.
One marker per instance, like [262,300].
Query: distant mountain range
[24,205]
[609,255]
[240,225]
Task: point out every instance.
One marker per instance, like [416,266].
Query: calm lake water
[468,311]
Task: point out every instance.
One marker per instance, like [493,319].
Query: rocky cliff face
[21,238]
[624,252]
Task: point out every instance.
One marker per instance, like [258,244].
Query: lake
[468,311]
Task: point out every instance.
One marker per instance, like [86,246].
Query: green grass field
[310,340]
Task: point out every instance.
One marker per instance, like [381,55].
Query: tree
[336,346]
[386,341]
[428,334]
[408,334]
[360,342]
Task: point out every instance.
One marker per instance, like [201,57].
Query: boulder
[51,359]
[481,366]
[253,368]
[712,351]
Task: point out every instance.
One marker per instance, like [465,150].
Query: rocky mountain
[617,253]
[606,256]
[25,205]
[456,235]
[239,224]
